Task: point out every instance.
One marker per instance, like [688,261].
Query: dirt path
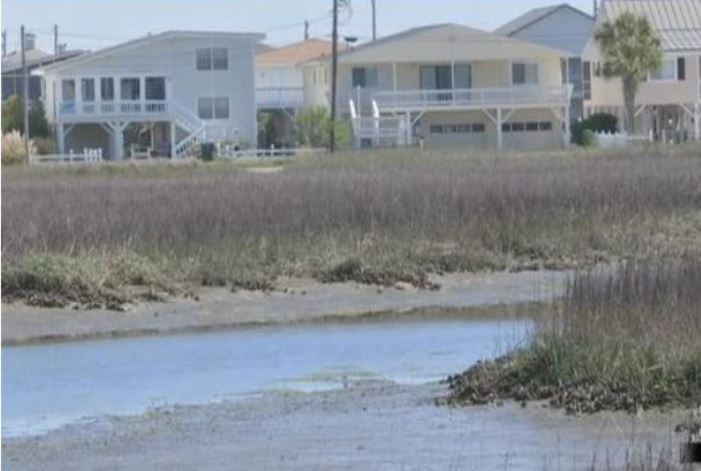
[296,301]
[369,426]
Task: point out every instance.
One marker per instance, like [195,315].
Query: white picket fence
[232,152]
[88,156]
[619,140]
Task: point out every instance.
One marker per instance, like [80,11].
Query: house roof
[533,16]
[166,35]
[35,58]
[441,42]
[296,53]
[677,22]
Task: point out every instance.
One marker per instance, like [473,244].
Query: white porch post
[394,76]
[567,126]
[697,123]
[172,140]
[408,129]
[500,137]
[61,137]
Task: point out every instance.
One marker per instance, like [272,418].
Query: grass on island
[105,235]
[623,339]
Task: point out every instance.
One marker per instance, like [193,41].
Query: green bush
[45,146]
[588,138]
[13,119]
[600,122]
[314,126]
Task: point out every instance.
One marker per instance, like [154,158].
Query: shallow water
[47,386]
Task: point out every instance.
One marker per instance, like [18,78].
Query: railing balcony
[114,109]
[279,97]
[472,98]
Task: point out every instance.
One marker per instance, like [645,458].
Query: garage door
[531,135]
[468,135]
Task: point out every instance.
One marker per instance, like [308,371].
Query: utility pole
[25,94]
[334,76]
[306,30]
[55,40]
[4,43]
[374,20]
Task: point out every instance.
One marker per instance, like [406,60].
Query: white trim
[510,72]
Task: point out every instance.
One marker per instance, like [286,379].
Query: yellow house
[669,101]
[449,85]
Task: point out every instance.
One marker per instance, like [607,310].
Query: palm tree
[631,50]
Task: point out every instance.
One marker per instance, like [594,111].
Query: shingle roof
[678,22]
[526,19]
[296,53]
[34,58]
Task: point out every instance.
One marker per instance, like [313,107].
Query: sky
[93,24]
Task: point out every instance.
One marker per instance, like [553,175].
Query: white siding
[565,30]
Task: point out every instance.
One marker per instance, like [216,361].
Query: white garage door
[469,135]
[531,135]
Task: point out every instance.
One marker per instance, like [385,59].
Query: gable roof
[296,53]
[533,16]
[441,42]
[677,22]
[166,35]
[35,58]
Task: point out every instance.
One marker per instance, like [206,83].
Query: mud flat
[371,425]
[293,301]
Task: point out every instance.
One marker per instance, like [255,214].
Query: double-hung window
[213,108]
[107,89]
[130,89]
[365,77]
[87,89]
[667,71]
[524,73]
[216,58]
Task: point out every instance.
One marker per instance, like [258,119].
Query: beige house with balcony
[449,85]
[155,96]
[669,102]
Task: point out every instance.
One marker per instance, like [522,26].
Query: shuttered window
[681,69]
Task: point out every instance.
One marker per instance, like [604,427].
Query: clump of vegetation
[583,132]
[313,126]
[13,118]
[621,340]
[13,151]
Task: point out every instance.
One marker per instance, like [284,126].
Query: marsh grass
[623,339]
[375,218]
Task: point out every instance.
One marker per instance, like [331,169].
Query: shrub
[13,119]
[13,148]
[600,122]
[45,145]
[314,126]
[588,138]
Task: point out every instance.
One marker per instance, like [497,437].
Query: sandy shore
[295,301]
[368,426]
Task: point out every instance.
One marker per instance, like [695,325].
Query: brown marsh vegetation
[90,235]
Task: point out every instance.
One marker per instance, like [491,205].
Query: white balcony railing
[279,97]
[475,97]
[85,109]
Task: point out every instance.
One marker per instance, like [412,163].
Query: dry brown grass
[389,216]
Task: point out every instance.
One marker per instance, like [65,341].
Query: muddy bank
[368,426]
[294,301]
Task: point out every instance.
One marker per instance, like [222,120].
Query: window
[681,69]
[463,128]
[531,126]
[107,89]
[131,89]
[524,73]
[506,127]
[212,59]
[364,77]
[545,126]
[586,80]
[221,108]
[87,89]
[517,127]
[479,127]
[463,76]
[205,108]
[155,88]
[436,129]
[667,71]
[213,108]
[68,90]
[220,58]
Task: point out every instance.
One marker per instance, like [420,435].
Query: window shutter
[681,69]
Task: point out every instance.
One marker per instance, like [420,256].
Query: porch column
[61,137]
[500,137]
[408,129]
[567,126]
[172,140]
[394,76]
[697,123]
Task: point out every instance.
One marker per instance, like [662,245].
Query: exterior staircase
[192,124]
